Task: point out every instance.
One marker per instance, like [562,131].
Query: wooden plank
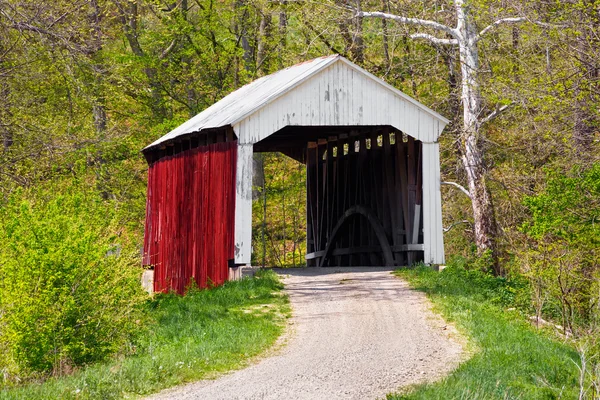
[389,209]
[243,205]
[427,203]
[356,250]
[417,229]
[339,164]
[375,175]
[321,185]
[311,156]
[408,247]
[438,230]
[353,191]
[366,232]
[345,193]
[330,184]
[315,255]
[432,217]
[403,177]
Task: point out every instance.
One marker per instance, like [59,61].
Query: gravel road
[356,333]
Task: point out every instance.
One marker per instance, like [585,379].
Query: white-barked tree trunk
[466,38]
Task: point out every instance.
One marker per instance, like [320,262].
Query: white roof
[247,100]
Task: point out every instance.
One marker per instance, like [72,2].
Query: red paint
[190,217]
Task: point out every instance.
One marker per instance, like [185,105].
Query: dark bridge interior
[364,193]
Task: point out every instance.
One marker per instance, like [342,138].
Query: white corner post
[433,231]
[243,205]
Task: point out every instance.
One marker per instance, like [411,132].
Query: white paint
[243,205]
[341,94]
[433,238]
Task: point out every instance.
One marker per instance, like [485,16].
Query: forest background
[86,84]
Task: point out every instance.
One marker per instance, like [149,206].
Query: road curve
[356,333]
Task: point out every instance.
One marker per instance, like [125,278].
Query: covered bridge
[373,174]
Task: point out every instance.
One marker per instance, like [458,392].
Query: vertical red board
[190,211]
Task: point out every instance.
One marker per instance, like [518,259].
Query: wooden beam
[243,205]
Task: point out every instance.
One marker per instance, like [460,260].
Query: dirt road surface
[356,333]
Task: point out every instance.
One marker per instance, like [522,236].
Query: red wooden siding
[190,217]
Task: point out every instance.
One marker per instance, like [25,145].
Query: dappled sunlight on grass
[509,358]
[193,337]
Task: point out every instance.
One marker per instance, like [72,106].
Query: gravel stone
[356,333]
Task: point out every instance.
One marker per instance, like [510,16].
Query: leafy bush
[562,261]
[193,337]
[69,289]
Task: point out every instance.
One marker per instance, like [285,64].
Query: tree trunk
[472,147]
[242,29]
[357,49]
[129,18]
[283,22]
[99,106]
[384,31]
[586,120]
[264,34]
[5,112]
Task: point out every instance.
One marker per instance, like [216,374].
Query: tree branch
[456,185]
[168,50]
[495,24]
[456,223]
[514,20]
[410,21]
[491,116]
[434,39]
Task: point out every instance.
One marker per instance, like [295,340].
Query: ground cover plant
[189,338]
[508,357]
[70,290]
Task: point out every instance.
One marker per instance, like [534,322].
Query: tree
[466,37]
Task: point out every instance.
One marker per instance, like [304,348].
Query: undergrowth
[192,337]
[509,359]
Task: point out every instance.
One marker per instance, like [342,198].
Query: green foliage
[284,226]
[568,208]
[191,337]
[508,359]
[70,290]
[563,258]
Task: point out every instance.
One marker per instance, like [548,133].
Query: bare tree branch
[491,116]
[168,50]
[412,21]
[456,223]
[514,20]
[434,39]
[456,185]
[495,24]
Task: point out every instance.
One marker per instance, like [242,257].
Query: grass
[198,336]
[510,359]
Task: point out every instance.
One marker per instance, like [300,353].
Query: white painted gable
[341,93]
[324,91]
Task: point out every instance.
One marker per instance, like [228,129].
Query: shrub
[563,233]
[562,261]
[69,289]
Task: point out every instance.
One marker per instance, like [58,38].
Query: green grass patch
[197,336]
[510,359]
